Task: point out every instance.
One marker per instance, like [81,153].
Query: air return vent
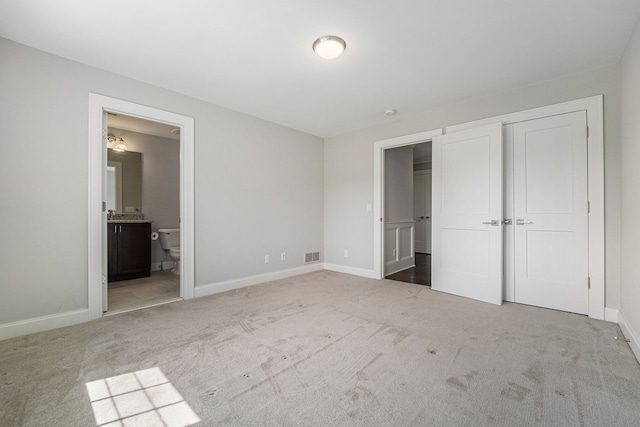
[312,257]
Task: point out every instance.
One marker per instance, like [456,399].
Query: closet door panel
[466,213]
[550,212]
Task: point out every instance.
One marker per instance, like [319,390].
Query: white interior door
[427,212]
[104,261]
[422,211]
[419,212]
[551,212]
[467,213]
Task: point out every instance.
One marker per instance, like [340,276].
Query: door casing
[99,105]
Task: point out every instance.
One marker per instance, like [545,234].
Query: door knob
[494,222]
[523,222]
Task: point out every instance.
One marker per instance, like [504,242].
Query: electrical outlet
[283,256]
[346,253]
[267,259]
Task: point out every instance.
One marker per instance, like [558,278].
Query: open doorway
[143,213]
[380,235]
[98,267]
[418,190]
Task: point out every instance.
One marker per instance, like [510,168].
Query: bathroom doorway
[143,199]
[98,265]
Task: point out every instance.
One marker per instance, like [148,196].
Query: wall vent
[312,257]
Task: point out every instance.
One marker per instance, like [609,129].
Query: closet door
[551,212]
[467,213]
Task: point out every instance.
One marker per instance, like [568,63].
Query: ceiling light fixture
[120,147]
[390,111]
[329,47]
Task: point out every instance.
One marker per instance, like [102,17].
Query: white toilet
[170,241]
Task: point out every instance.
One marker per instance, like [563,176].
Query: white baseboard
[243,282]
[611,315]
[630,334]
[44,323]
[166,265]
[351,270]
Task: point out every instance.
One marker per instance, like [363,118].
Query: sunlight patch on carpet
[141,398]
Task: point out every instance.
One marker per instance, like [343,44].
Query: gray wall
[160,181]
[398,184]
[630,284]
[258,186]
[349,164]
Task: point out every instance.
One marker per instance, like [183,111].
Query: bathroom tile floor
[162,287]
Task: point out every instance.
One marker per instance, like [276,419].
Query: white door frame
[595,147]
[98,106]
[378,189]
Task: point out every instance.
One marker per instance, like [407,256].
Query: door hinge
[104,206]
[380,219]
[588,282]
[104,133]
[587,131]
[588,207]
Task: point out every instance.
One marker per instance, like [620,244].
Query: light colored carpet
[325,349]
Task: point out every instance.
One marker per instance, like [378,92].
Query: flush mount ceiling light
[329,47]
[120,147]
[390,111]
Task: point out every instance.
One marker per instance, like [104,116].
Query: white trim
[215,288]
[595,147]
[378,192]
[405,223]
[370,274]
[396,264]
[98,105]
[44,323]
[630,334]
[611,315]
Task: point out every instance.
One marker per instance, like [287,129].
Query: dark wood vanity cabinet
[129,247]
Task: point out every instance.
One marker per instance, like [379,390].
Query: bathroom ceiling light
[329,47]
[120,147]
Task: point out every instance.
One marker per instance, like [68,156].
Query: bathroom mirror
[124,187]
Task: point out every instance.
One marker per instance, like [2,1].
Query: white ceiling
[255,56]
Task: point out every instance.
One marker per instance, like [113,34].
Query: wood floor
[420,274]
[162,287]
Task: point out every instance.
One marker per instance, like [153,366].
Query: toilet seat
[175,250]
